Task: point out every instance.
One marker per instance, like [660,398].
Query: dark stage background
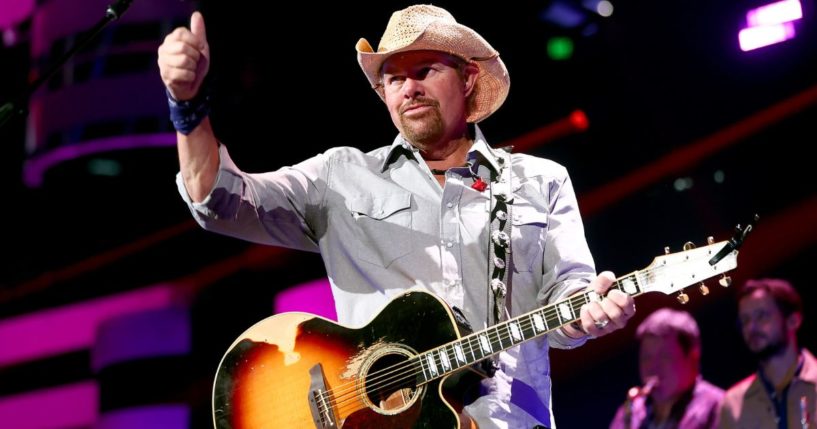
[688,136]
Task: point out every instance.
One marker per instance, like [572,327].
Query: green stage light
[560,48]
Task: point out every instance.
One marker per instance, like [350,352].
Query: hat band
[488,58]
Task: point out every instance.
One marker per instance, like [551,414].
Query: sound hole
[391,383]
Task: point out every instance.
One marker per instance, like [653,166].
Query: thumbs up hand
[184,59]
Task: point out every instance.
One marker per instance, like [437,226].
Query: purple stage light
[72,327]
[141,335]
[758,37]
[775,13]
[770,24]
[564,14]
[168,416]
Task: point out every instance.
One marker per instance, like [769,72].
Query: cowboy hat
[426,27]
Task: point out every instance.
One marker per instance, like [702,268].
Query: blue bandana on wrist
[187,115]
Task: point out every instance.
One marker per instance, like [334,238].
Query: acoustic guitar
[298,370]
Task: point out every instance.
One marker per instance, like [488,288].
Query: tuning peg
[683,298]
[666,250]
[710,240]
[704,289]
[725,281]
[689,245]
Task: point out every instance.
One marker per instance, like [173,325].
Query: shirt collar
[480,151]
[399,146]
[486,152]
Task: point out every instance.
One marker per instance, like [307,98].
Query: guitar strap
[500,239]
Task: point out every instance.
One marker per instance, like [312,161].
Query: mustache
[419,101]
[757,335]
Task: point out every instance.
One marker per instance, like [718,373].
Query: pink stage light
[13,12]
[312,297]
[67,406]
[775,13]
[758,37]
[72,327]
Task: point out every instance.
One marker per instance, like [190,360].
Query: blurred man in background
[673,394]
[783,391]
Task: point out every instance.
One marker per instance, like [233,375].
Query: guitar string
[401,378]
[404,371]
[548,312]
[493,337]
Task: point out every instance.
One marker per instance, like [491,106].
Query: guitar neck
[481,345]
[668,274]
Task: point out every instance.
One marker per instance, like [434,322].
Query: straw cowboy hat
[426,27]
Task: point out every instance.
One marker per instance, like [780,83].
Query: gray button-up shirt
[383,224]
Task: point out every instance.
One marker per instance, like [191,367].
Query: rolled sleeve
[210,208]
[277,208]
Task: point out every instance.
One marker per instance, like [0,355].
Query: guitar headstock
[673,272]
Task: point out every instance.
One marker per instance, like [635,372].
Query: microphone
[644,390]
[116,9]
[634,393]
[16,108]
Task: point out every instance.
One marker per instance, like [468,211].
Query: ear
[695,353]
[794,321]
[470,72]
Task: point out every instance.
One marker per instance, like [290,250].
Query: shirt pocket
[383,227]
[527,236]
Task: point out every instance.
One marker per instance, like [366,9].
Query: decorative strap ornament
[500,238]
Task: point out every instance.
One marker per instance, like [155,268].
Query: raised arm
[184,59]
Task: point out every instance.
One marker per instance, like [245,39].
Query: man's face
[426,95]
[762,324]
[662,358]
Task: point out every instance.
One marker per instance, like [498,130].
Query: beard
[425,129]
[771,348]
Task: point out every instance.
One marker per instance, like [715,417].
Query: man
[783,391]
[673,394]
[417,213]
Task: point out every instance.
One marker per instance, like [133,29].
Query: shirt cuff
[558,339]
[228,177]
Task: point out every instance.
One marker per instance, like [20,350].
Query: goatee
[423,130]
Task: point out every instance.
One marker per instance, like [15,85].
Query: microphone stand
[19,107]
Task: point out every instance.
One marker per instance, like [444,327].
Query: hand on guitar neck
[607,314]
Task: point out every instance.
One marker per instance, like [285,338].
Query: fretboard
[481,345]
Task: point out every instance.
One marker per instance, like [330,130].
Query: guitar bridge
[320,403]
